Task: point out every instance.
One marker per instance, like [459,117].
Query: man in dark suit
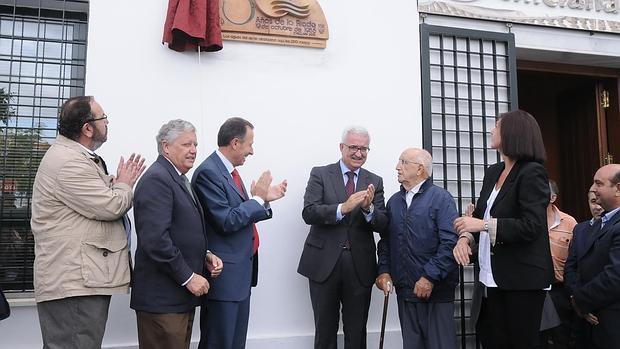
[171,256]
[592,269]
[231,215]
[343,204]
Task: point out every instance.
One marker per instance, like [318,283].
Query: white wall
[299,100]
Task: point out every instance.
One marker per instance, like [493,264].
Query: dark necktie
[349,188]
[237,179]
[188,187]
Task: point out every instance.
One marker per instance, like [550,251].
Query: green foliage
[21,149]
[6,111]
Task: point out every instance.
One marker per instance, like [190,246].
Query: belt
[345,245]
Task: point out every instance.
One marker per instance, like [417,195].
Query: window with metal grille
[468,80]
[42,63]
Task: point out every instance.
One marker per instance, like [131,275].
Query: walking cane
[385,308]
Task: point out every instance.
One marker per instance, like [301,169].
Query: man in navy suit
[169,276]
[592,271]
[231,215]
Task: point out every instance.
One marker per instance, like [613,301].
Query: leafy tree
[6,111]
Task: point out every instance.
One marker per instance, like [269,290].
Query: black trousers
[562,336]
[510,319]
[341,287]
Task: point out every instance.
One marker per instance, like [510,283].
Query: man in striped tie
[343,205]
[231,214]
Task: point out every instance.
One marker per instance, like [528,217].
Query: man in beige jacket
[80,230]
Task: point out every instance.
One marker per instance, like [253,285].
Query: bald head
[606,186]
[414,166]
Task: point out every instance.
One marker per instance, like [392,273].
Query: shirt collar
[175,168]
[415,189]
[344,169]
[609,215]
[90,152]
[229,166]
[557,217]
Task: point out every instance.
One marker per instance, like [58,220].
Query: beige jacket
[80,242]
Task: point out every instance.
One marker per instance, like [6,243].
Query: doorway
[577,110]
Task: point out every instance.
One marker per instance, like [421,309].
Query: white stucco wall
[299,100]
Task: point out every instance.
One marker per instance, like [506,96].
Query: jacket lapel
[487,188]
[177,178]
[598,232]
[362,181]
[508,182]
[337,182]
[228,176]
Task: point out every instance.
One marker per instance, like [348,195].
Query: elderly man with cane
[415,253]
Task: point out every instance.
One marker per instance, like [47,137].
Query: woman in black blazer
[509,226]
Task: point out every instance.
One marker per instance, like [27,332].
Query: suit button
[105,253]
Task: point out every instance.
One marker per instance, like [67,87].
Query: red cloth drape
[193,24]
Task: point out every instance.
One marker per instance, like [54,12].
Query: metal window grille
[468,79]
[42,63]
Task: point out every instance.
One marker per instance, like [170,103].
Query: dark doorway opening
[577,109]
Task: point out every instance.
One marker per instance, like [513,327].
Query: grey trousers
[427,325]
[74,322]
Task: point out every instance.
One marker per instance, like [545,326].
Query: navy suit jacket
[230,217]
[322,249]
[172,241]
[592,274]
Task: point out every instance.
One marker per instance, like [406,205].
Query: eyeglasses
[103,117]
[355,148]
[406,162]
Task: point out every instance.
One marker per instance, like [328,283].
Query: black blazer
[521,257]
[172,241]
[324,192]
[593,273]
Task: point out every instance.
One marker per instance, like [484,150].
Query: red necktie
[350,186]
[237,179]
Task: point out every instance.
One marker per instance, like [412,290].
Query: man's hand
[589,317]
[462,251]
[129,172]
[370,195]
[276,191]
[384,283]
[261,186]
[198,285]
[423,288]
[353,201]
[468,225]
[214,264]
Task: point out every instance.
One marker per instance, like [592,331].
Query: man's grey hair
[426,159]
[171,130]
[358,130]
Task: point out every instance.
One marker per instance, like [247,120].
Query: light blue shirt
[609,215]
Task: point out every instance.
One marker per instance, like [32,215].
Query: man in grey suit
[344,205]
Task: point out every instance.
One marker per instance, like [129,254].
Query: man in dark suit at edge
[344,205]
[171,257]
[592,271]
[231,215]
